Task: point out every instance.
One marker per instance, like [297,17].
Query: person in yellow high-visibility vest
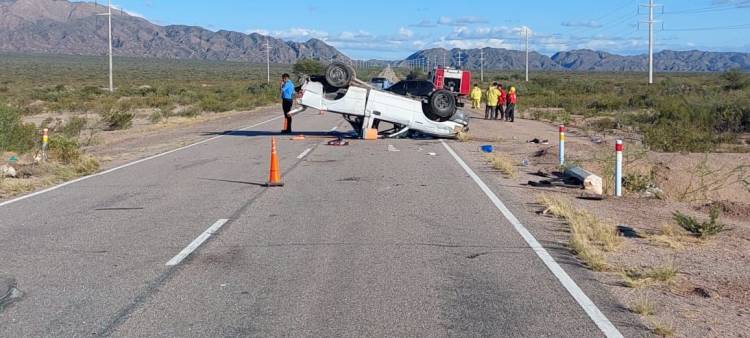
[493,96]
[476,97]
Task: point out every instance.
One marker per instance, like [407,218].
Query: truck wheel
[442,103]
[339,74]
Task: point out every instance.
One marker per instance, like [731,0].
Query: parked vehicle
[380,83]
[338,91]
[413,88]
[457,81]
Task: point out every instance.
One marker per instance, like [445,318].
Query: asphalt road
[375,239]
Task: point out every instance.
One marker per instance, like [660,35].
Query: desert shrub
[308,67]
[73,128]
[637,182]
[701,229]
[14,134]
[211,103]
[87,165]
[116,120]
[735,79]
[155,117]
[64,149]
[677,136]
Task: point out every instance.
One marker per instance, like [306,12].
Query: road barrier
[618,168]
[274,177]
[562,145]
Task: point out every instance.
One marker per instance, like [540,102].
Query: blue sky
[394,29]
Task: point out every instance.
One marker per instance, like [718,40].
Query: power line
[744,26]
[717,8]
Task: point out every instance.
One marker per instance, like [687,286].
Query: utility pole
[526,29]
[444,64]
[459,59]
[481,65]
[268,60]
[651,23]
[109,16]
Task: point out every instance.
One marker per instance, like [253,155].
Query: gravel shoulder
[709,295]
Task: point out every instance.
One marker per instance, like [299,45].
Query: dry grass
[590,237]
[638,278]
[663,330]
[463,136]
[672,236]
[503,164]
[11,187]
[642,306]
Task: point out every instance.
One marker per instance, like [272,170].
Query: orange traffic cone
[274,178]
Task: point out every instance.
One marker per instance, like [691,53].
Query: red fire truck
[455,80]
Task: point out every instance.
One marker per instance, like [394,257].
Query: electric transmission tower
[651,23]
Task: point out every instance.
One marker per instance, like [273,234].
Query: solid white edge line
[197,242]
[304,153]
[584,301]
[37,193]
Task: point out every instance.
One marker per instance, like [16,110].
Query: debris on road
[338,143]
[487,148]
[591,182]
[538,141]
[432,154]
[298,138]
[391,148]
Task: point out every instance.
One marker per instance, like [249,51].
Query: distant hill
[64,27]
[586,60]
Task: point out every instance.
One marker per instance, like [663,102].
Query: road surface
[382,238]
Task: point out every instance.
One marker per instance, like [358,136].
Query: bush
[73,128]
[735,79]
[64,149]
[118,120]
[700,229]
[15,135]
[308,67]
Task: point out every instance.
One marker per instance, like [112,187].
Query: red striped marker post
[619,147]
[562,145]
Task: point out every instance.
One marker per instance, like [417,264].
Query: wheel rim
[337,74]
[442,102]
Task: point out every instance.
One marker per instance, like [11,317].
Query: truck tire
[442,103]
[339,74]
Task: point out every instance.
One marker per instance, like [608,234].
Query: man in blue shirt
[287,99]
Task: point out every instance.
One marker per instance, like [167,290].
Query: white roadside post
[618,168]
[562,145]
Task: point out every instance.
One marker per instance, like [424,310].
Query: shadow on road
[231,181]
[261,133]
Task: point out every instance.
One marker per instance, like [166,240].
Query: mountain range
[63,27]
[585,60]
[75,28]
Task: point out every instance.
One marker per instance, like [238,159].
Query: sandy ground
[710,296]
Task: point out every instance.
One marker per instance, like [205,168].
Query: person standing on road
[492,97]
[501,103]
[476,97]
[287,99]
[510,112]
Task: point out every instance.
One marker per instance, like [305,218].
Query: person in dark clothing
[287,100]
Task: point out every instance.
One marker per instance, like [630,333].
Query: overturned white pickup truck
[338,91]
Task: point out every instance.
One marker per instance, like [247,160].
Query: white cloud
[460,21]
[131,13]
[587,24]
[294,34]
